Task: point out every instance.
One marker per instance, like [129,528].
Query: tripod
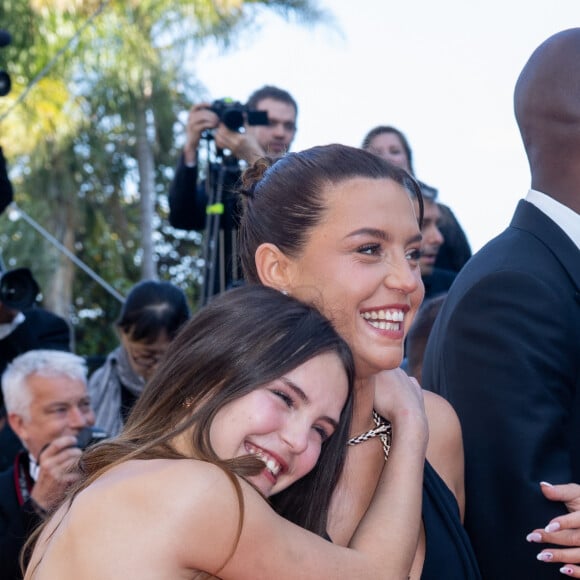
[219,252]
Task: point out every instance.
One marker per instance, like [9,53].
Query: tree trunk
[145,161]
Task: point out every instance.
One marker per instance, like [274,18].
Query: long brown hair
[242,340]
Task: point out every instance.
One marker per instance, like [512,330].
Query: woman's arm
[383,545]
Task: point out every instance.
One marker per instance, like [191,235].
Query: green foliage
[82,73]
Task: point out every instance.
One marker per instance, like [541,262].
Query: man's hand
[242,145]
[58,470]
[200,119]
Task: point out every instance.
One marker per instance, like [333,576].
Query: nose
[295,435]
[402,276]
[79,419]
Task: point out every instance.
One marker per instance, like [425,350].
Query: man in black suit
[48,406]
[505,350]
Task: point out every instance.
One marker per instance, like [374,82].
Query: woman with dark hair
[150,318]
[253,401]
[335,226]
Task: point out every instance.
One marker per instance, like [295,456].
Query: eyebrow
[375,233]
[302,396]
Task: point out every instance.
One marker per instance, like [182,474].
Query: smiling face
[360,266]
[285,422]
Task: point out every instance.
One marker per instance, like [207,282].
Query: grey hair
[46,363]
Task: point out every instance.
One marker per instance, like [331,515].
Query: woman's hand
[399,398]
[561,531]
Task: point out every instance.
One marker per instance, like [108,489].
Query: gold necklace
[382,429]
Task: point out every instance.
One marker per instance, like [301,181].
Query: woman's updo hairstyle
[284,199]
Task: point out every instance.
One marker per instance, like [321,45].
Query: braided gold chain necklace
[382,429]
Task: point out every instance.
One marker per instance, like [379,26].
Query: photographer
[48,406]
[188,196]
[23,327]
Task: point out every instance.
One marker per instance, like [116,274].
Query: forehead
[386,140]
[49,389]
[277,109]
[323,380]
[365,202]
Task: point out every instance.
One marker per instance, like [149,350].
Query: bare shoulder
[445,448]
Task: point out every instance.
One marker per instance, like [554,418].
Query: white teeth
[271,464]
[387,315]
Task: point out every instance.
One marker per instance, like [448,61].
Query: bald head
[547,108]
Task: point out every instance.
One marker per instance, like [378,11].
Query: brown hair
[285,199]
[242,340]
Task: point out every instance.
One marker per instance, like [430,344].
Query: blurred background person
[24,326]
[152,314]
[48,405]
[391,144]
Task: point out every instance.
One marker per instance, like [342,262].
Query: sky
[442,72]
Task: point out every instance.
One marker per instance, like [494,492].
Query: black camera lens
[18,289]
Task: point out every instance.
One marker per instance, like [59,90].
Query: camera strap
[23,481]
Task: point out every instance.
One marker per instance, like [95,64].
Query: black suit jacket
[16,523]
[40,329]
[505,351]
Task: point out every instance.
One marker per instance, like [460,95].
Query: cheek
[309,458]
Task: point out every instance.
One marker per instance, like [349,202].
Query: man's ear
[18,425]
[273,266]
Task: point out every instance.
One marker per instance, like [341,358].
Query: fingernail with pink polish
[534,537]
[546,484]
[545,556]
[566,570]
[553,527]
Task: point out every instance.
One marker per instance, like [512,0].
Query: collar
[8,327]
[566,218]
[33,467]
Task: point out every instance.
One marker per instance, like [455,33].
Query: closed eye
[285,397]
[324,434]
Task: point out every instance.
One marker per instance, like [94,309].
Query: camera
[89,436]
[18,288]
[233,114]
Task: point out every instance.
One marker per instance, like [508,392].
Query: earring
[285,292]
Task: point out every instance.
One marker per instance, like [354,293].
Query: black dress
[448,551]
